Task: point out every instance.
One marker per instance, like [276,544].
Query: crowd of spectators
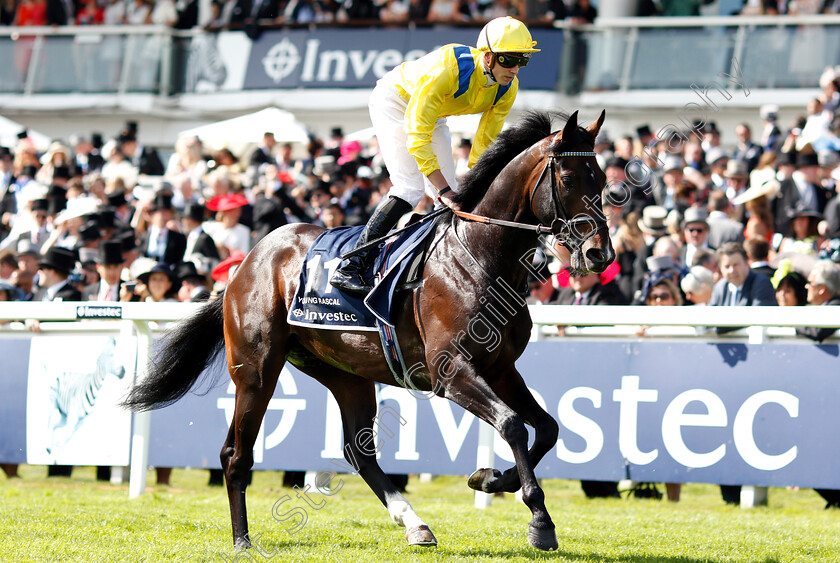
[184,14]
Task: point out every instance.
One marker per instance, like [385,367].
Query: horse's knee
[512,429]
[547,432]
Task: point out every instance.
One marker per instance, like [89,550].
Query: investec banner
[653,411]
[338,58]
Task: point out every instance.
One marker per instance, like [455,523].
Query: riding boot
[350,277]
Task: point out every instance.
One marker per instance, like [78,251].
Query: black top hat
[62,172]
[643,131]
[23,134]
[110,253]
[131,127]
[26,246]
[5,152]
[127,240]
[161,202]
[56,205]
[40,204]
[106,217]
[711,127]
[807,159]
[786,159]
[465,143]
[117,198]
[194,211]
[59,259]
[89,232]
[29,171]
[96,140]
[186,271]
[336,132]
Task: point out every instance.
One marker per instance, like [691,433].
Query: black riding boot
[350,276]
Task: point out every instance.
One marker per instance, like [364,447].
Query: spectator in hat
[722,227]
[89,235]
[159,241]
[711,136]
[88,272]
[628,243]
[271,202]
[53,271]
[227,232]
[790,285]
[30,224]
[746,150]
[695,229]
[28,256]
[737,176]
[756,202]
[160,284]
[803,235]
[8,202]
[802,191]
[85,158]
[144,159]
[193,284]
[201,249]
[771,135]
[664,192]
[716,159]
[109,264]
[653,226]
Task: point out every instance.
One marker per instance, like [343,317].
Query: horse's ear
[571,126]
[596,127]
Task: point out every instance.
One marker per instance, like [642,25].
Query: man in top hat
[771,135]
[653,226]
[31,224]
[145,159]
[264,153]
[802,191]
[53,271]
[695,229]
[645,135]
[737,178]
[193,285]
[109,262]
[201,250]
[160,242]
[664,192]
[86,160]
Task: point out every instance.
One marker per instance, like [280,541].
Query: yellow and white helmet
[506,35]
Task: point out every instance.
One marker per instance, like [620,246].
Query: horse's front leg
[512,390]
[472,392]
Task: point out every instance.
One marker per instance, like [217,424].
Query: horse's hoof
[542,538]
[242,543]
[420,535]
[480,479]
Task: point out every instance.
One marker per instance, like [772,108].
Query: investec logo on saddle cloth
[317,302]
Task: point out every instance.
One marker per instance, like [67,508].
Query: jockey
[408,108]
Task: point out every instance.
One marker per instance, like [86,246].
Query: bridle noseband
[562,227]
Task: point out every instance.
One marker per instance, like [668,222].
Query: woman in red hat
[227,232]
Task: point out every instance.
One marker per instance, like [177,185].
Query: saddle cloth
[318,304]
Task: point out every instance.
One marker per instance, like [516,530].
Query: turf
[79,519]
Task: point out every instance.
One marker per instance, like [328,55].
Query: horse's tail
[184,353]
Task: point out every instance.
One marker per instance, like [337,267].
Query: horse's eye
[568,179]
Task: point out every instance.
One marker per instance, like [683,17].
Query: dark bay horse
[461,329]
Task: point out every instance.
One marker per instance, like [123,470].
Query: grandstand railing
[600,322]
[611,55]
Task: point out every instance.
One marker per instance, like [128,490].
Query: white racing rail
[594,321]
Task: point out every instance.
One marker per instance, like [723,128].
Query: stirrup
[351,283]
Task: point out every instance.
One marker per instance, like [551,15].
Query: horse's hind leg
[515,394]
[357,399]
[254,388]
[475,395]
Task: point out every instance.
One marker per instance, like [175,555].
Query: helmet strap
[488,71]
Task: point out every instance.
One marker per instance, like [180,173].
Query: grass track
[79,519]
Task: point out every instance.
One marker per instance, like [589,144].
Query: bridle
[562,227]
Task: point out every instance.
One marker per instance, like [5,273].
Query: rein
[561,227]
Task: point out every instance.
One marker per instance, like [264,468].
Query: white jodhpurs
[387,113]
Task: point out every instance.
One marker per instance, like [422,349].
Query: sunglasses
[660,296]
[510,60]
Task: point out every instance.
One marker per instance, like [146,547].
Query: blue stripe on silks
[501,92]
[466,66]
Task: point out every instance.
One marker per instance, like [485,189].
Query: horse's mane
[532,128]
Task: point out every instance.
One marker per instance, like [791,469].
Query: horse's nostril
[595,255]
